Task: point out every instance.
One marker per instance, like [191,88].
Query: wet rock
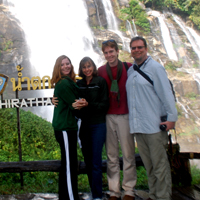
[139,195]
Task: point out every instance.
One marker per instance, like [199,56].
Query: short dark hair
[109,43]
[81,65]
[138,38]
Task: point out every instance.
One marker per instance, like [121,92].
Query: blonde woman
[65,126]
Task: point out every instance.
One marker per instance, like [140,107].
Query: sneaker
[127,197]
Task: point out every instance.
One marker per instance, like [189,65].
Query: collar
[140,65]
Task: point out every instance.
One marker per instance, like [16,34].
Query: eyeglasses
[139,47]
[105,42]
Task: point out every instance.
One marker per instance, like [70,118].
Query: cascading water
[133,32]
[165,35]
[111,20]
[178,45]
[134,28]
[196,39]
[129,28]
[54,29]
[98,13]
[194,42]
[112,24]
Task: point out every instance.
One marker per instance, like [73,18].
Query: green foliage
[123,29]
[195,171]
[170,66]
[142,180]
[34,182]
[37,137]
[38,143]
[173,65]
[190,130]
[179,110]
[191,95]
[156,4]
[98,27]
[6,44]
[190,8]
[136,12]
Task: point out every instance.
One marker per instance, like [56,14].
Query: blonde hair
[56,75]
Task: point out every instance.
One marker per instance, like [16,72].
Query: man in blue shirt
[147,103]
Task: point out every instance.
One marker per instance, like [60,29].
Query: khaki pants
[118,132]
[152,149]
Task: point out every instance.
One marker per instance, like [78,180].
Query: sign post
[35,83]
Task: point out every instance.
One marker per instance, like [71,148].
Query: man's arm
[164,92]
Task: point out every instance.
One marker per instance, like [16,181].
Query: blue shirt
[147,102]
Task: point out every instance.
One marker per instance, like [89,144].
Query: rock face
[123,3]
[11,38]
[96,12]
[13,48]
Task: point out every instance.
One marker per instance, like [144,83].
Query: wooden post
[19,140]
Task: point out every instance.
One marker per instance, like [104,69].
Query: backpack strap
[173,90]
[136,68]
[126,65]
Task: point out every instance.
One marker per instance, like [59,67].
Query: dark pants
[92,140]
[68,171]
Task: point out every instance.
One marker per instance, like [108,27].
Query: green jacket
[64,114]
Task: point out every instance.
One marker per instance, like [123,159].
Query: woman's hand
[55,101]
[79,103]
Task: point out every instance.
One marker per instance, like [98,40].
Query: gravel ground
[140,195]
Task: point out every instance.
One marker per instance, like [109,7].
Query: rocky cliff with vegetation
[186,86]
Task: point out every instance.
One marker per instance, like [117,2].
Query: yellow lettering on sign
[34,81]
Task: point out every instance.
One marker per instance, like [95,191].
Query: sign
[3,82]
[26,83]
[33,83]
[29,102]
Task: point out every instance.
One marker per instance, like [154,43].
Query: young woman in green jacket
[65,125]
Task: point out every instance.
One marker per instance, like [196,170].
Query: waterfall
[184,109]
[111,20]
[196,39]
[195,36]
[165,35]
[129,28]
[134,28]
[187,32]
[98,13]
[178,45]
[133,32]
[112,24]
[53,29]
